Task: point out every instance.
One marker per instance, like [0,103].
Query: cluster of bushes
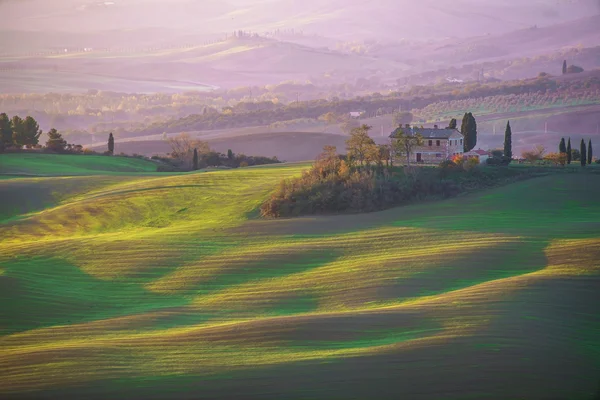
[211,159]
[189,154]
[332,185]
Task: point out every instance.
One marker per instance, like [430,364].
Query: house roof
[479,152]
[429,133]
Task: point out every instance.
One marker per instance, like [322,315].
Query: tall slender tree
[583,153]
[564,68]
[569,155]
[111,143]
[590,152]
[508,142]
[562,148]
[195,160]
[468,129]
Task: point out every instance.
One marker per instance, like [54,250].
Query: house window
[461,141]
[437,143]
[430,143]
[438,155]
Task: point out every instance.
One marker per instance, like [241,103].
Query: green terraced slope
[153,286]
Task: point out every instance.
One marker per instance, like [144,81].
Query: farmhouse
[438,144]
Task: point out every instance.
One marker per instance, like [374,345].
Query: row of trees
[18,132]
[253,114]
[585,155]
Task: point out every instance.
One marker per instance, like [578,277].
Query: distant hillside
[337,18]
[229,63]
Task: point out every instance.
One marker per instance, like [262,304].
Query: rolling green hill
[170,286]
[61,165]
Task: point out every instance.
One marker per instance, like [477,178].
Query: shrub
[556,158]
[243,164]
[446,167]
[471,163]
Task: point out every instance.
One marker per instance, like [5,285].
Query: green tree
[403,118]
[55,141]
[31,132]
[508,142]
[583,152]
[564,68]
[452,124]
[562,148]
[5,132]
[576,155]
[229,154]
[360,146]
[17,127]
[590,153]
[195,160]
[111,143]
[569,155]
[468,129]
[403,144]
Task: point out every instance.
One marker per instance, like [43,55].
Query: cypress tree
[569,155]
[230,154]
[590,153]
[473,132]
[464,130]
[468,129]
[564,69]
[508,142]
[561,147]
[583,153]
[195,160]
[111,143]
[452,124]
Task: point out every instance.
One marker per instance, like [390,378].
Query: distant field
[47,80]
[54,165]
[288,146]
[149,286]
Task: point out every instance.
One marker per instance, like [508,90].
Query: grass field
[151,286]
[61,165]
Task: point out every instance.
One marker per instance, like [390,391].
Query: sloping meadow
[171,286]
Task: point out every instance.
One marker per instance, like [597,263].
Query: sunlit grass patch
[140,278]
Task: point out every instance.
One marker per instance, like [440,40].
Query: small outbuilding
[481,155]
